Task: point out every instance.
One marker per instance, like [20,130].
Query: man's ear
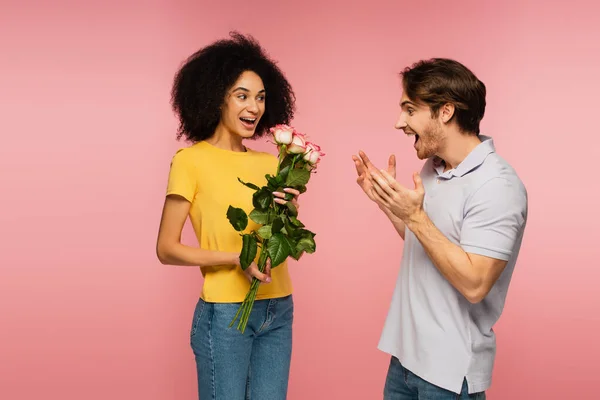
[446,112]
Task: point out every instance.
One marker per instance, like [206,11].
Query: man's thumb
[418,182]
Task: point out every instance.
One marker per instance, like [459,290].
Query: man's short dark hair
[439,81]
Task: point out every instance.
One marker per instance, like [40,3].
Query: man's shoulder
[496,167]
[497,184]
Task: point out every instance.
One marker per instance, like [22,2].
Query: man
[462,226]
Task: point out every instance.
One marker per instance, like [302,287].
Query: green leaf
[279,249]
[294,253]
[273,182]
[305,233]
[306,244]
[260,217]
[265,232]
[296,222]
[287,161]
[292,208]
[262,198]
[283,173]
[249,249]
[237,218]
[290,230]
[250,185]
[272,215]
[277,225]
[297,177]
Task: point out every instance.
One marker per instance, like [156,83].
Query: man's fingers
[392,161]
[360,168]
[364,158]
[393,183]
[392,166]
[385,184]
[418,182]
[380,190]
[389,179]
[369,165]
[379,196]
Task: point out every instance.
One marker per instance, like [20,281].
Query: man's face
[415,120]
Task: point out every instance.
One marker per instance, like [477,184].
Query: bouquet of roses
[281,234]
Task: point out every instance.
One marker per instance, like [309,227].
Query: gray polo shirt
[431,328]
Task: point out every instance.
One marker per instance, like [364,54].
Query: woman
[224,93]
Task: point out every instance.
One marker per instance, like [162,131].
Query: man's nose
[401,122]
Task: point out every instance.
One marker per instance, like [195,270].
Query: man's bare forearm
[398,224]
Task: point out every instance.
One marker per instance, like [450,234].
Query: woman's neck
[224,139]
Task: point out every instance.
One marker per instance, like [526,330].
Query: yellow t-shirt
[207,177]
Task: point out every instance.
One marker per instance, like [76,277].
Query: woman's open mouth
[249,123]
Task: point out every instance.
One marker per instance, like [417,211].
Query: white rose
[313,153]
[282,134]
[298,145]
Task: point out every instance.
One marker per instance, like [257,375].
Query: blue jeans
[401,384]
[234,366]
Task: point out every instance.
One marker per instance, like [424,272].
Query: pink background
[87,311]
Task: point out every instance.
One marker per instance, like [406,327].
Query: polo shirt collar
[475,158]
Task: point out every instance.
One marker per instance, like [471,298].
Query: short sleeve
[182,176]
[494,219]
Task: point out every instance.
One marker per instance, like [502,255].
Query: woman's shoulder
[262,154]
[265,159]
[183,155]
[191,151]
[200,151]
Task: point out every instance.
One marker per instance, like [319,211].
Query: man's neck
[458,148]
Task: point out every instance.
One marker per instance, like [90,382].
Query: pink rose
[313,153]
[298,145]
[282,134]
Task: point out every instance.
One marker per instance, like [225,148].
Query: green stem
[246,307]
[282,151]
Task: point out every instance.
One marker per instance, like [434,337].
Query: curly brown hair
[200,86]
